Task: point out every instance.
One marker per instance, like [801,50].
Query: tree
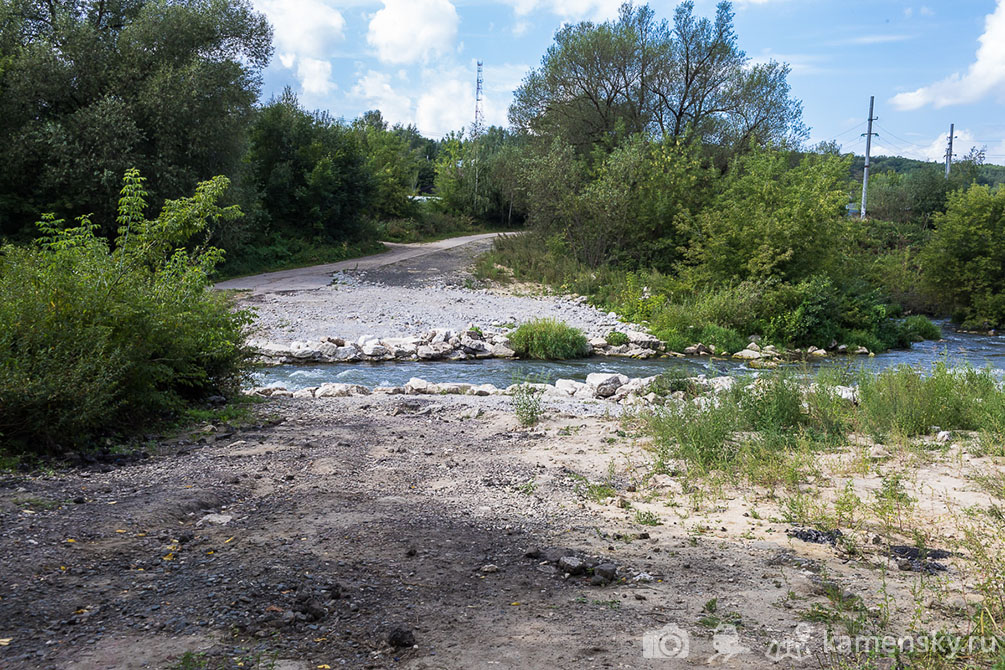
[310,170]
[93,87]
[601,82]
[770,221]
[394,163]
[964,262]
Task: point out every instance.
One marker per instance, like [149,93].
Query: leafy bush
[549,339]
[964,263]
[527,404]
[616,338]
[94,341]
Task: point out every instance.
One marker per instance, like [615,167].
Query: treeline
[92,89]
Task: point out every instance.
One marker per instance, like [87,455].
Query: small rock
[571,565]
[490,568]
[401,637]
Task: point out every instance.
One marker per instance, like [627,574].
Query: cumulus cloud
[985,75]
[306,27]
[376,89]
[305,33]
[315,75]
[408,31]
[448,104]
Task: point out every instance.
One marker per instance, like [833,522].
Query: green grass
[769,430]
[549,339]
[905,403]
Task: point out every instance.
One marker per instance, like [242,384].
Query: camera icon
[670,641]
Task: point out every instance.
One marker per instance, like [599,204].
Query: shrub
[616,339]
[527,404]
[549,339]
[921,328]
[94,341]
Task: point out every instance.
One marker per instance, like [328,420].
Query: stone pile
[598,386]
[437,344]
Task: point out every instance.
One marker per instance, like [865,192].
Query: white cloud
[448,104]
[569,9]
[375,88]
[303,27]
[984,76]
[872,39]
[305,33]
[315,76]
[408,31]
[926,11]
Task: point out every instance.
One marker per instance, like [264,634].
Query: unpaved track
[318,276]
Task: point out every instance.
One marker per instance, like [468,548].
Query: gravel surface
[355,306]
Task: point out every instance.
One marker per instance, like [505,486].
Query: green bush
[921,328]
[963,263]
[616,339]
[549,339]
[96,342]
[527,404]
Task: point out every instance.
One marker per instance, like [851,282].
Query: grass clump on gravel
[549,339]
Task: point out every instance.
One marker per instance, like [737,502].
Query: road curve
[319,276]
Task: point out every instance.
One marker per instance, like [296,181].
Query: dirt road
[318,276]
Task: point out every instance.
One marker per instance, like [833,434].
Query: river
[956,348]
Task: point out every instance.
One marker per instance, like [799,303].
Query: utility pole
[868,149]
[949,150]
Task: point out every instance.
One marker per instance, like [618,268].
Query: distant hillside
[986,174]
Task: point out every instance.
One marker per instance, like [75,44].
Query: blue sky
[928,63]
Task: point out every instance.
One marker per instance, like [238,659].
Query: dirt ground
[311,540]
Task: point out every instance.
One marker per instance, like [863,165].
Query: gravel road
[402,297]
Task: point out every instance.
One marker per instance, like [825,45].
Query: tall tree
[90,88]
[600,82]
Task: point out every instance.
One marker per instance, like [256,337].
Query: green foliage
[549,339]
[527,403]
[964,263]
[311,171]
[600,82]
[901,401]
[478,176]
[93,88]
[616,338]
[93,340]
[770,220]
[395,164]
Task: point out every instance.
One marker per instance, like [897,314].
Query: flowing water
[955,348]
